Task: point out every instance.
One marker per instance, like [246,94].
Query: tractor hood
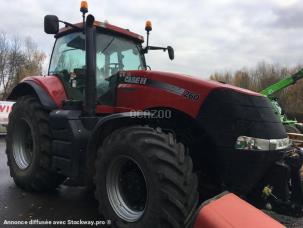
[162,89]
[195,84]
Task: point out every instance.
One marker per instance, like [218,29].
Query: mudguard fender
[32,88]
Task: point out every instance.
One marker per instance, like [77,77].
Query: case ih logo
[125,77]
[135,80]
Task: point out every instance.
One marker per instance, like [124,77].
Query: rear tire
[144,178]
[28,146]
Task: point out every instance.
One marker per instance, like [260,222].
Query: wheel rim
[126,188]
[23,145]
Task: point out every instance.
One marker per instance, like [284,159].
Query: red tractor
[151,144]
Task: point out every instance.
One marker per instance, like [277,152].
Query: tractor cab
[114,52]
[87,56]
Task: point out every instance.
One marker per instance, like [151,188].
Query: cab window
[113,54]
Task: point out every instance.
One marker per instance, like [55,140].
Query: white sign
[5,109]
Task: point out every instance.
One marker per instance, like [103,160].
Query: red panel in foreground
[229,211]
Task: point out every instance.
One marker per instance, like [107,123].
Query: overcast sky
[207,35]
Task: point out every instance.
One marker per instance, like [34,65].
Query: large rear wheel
[28,146]
[144,178]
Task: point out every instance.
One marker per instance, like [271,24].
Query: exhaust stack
[90,79]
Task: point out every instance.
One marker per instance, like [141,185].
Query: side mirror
[171,52]
[51,24]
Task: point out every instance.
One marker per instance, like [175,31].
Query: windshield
[113,54]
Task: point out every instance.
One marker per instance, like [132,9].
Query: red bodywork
[229,211]
[143,97]
[52,85]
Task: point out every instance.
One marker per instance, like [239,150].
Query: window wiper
[71,49]
[108,45]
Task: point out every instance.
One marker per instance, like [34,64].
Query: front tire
[28,146]
[144,178]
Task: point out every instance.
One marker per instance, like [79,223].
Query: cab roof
[103,26]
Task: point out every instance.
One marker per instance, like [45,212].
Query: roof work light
[148,26]
[84,7]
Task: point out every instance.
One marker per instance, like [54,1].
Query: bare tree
[17,60]
[4,52]
[263,75]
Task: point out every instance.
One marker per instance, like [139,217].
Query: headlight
[250,143]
